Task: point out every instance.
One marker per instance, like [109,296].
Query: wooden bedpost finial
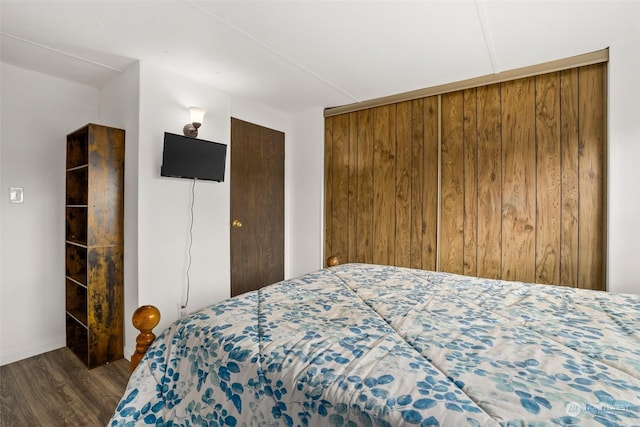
[144,319]
[332,261]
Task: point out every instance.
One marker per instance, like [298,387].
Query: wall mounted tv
[191,158]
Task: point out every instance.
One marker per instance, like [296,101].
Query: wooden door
[257,206]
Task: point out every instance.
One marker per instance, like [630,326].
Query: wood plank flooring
[56,389]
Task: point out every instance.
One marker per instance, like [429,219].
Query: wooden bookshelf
[94,241]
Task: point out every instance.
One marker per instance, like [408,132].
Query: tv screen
[191,158]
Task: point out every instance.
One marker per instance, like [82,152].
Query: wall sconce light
[191,129]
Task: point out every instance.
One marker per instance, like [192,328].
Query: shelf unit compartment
[76,263]
[77,148]
[76,297]
[77,185]
[76,224]
[78,339]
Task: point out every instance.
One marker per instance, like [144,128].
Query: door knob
[236,224]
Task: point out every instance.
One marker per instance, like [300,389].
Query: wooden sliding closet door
[381,166]
[520,191]
[591,177]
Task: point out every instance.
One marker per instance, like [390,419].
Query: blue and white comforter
[366,345]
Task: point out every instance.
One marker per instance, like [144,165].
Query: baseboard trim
[26,353]
[128,352]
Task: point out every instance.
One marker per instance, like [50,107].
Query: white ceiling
[297,55]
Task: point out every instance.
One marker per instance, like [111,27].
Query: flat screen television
[191,158]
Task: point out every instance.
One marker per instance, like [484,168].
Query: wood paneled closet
[505,180]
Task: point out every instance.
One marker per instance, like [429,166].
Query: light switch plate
[16,194]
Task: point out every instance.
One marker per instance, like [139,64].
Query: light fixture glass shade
[197,114]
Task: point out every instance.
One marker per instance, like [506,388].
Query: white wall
[252,112]
[164,203]
[119,107]
[38,111]
[305,166]
[624,167]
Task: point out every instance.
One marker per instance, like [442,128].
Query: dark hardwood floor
[56,389]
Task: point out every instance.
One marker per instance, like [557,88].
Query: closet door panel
[340,190]
[452,182]
[569,137]
[548,180]
[364,206]
[352,192]
[518,180]
[591,177]
[430,188]
[489,154]
[403,185]
[384,148]
[470,123]
[417,182]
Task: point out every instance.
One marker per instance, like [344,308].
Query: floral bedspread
[368,345]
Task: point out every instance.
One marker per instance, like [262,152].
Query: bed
[371,345]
